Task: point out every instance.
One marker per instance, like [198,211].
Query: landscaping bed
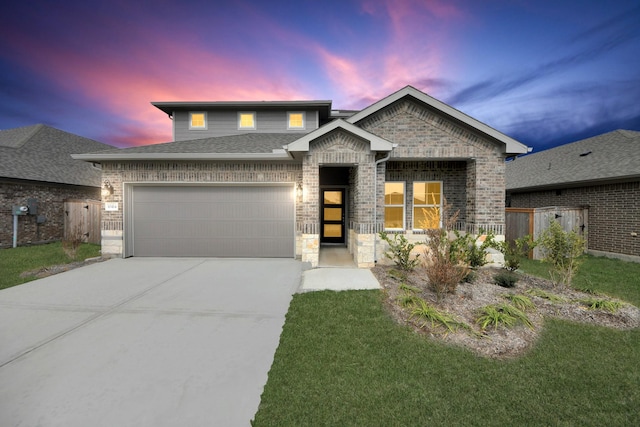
[497,341]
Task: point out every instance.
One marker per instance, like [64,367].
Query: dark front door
[333,215]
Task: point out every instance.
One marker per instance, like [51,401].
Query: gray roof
[43,153]
[613,156]
[243,146]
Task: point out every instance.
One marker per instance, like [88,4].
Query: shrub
[521,302]
[561,250]
[545,295]
[444,264]
[501,314]
[601,304]
[514,251]
[465,248]
[429,314]
[400,251]
[506,279]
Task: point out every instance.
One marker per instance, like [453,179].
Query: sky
[545,72]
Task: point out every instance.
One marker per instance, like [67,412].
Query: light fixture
[299,190]
[107,188]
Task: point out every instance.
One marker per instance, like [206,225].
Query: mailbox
[20,210]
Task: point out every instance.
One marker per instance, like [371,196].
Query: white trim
[191,127]
[255,119]
[97,157]
[304,120]
[403,205]
[377,143]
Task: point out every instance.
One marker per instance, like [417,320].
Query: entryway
[335,256]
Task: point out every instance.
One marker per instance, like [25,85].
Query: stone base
[311,249]
[112,242]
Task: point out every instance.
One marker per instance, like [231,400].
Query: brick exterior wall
[50,198]
[614,212]
[423,133]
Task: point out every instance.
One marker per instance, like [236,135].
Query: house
[285,178]
[601,173]
[36,170]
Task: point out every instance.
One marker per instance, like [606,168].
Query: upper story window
[247,120]
[198,120]
[295,120]
[394,205]
[427,205]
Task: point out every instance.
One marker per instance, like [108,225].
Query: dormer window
[247,120]
[198,120]
[295,120]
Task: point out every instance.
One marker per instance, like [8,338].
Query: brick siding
[50,198]
[614,212]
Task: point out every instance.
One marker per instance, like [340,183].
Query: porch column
[310,225]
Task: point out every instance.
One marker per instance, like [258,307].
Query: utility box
[32,204]
[20,210]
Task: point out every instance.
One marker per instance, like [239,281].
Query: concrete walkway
[143,342]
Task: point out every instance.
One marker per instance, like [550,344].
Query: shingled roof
[258,145]
[610,157]
[43,153]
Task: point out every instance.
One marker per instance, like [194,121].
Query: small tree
[561,250]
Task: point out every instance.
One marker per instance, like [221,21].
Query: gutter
[278,155]
[375,195]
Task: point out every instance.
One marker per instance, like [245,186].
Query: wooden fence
[82,218]
[533,221]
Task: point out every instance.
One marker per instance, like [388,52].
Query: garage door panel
[218,221]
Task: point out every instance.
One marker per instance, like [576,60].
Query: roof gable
[607,157]
[377,143]
[511,146]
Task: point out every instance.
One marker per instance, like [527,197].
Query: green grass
[342,361]
[612,277]
[15,261]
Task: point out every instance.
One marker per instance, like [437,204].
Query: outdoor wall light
[299,190]
[107,188]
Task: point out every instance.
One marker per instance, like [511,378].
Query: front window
[394,205]
[427,205]
[197,120]
[296,120]
[247,120]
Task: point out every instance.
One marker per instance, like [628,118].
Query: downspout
[375,204]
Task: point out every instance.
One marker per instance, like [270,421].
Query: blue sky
[543,72]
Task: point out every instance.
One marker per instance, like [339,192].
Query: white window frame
[403,205]
[203,127]
[428,205]
[304,120]
[255,124]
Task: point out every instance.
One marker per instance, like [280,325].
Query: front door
[333,215]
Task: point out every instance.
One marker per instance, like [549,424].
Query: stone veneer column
[310,224]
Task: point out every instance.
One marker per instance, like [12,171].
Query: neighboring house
[36,168]
[282,179]
[601,173]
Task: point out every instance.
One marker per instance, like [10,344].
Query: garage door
[212,221]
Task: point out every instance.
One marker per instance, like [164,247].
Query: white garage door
[212,221]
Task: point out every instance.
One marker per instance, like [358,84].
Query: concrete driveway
[143,342]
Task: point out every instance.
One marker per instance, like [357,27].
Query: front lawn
[342,360]
[15,261]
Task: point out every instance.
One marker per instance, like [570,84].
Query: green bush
[465,248]
[506,279]
[400,251]
[561,250]
[514,251]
